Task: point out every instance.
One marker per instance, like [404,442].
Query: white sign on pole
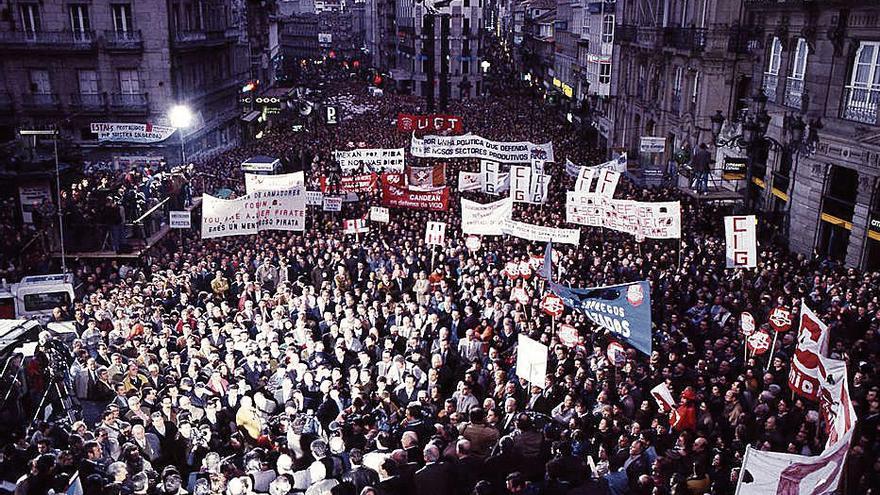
[531,360]
[355,226]
[283,182]
[742,247]
[179,219]
[435,233]
[379,214]
[650,144]
[485,219]
[314,198]
[332,203]
[370,160]
[469,181]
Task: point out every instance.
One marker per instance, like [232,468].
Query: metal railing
[128,40]
[769,85]
[69,39]
[88,100]
[691,39]
[40,100]
[860,104]
[126,101]
[794,92]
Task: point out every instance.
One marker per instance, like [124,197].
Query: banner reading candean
[401,197]
[655,220]
[485,219]
[370,160]
[473,146]
[257,182]
[262,210]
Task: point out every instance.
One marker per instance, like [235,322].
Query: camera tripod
[60,387]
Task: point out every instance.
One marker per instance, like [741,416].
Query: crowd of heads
[322,363]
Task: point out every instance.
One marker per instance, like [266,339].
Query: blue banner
[623,309]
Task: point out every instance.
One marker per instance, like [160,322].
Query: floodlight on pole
[54,134]
[181,117]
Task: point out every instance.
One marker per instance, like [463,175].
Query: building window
[771,75]
[675,102]
[585,27]
[608,29]
[129,86]
[695,91]
[604,73]
[88,82]
[79,20]
[862,96]
[40,84]
[122,17]
[794,85]
[30,18]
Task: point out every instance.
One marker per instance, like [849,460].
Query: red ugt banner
[429,123]
[396,195]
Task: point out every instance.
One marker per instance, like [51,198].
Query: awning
[250,116]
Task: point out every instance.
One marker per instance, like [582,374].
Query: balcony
[626,33]
[188,40]
[123,40]
[687,39]
[743,40]
[41,101]
[47,40]
[794,92]
[860,104]
[94,102]
[129,103]
[769,85]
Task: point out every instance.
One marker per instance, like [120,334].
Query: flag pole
[742,469]
[772,349]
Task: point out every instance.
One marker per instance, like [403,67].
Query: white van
[264,165]
[36,296]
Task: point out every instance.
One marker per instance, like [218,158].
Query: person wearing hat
[686,414]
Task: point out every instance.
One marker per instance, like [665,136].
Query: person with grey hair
[468,467]
[436,477]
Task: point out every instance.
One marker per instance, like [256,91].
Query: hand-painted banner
[353,183]
[314,198]
[379,214]
[125,132]
[332,203]
[439,123]
[604,185]
[370,160]
[742,243]
[624,309]
[355,226]
[527,186]
[540,233]
[283,182]
[469,181]
[397,196]
[617,165]
[655,220]
[531,361]
[494,182]
[427,178]
[435,233]
[806,364]
[262,210]
[473,146]
[485,219]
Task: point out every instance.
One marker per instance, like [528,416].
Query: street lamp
[181,118]
[54,134]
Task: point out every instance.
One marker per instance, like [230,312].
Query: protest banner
[531,360]
[355,226]
[370,160]
[654,220]
[435,122]
[379,214]
[283,182]
[435,233]
[527,186]
[604,185]
[812,345]
[567,334]
[469,181]
[332,203]
[427,178]
[618,165]
[124,132]
[650,144]
[401,197]
[353,183]
[473,146]
[485,219]
[552,305]
[473,243]
[742,248]
[624,310]
[262,210]
[179,219]
[540,233]
[314,198]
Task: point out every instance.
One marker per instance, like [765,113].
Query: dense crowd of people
[319,363]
